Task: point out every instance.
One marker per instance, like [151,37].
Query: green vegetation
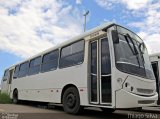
[5,99]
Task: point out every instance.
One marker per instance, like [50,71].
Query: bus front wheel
[15,97]
[71,101]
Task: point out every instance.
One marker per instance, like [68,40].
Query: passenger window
[72,54]
[16,71]
[50,61]
[23,71]
[35,66]
[5,75]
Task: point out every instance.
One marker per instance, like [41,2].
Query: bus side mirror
[115,36]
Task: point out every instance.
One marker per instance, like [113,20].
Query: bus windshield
[131,55]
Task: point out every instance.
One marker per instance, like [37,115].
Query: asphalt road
[27,111]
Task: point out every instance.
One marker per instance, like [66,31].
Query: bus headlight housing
[120,80]
[119,83]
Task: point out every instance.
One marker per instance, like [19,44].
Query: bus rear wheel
[15,97]
[71,101]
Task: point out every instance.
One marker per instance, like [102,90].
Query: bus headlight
[119,83]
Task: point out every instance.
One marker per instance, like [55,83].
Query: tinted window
[35,66]
[72,54]
[105,71]
[5,75]
[155,70]
[129,57]
[156,73]
[105,57]
[16,71]
[50,61]
[94,71]
[23,69]
[94,58]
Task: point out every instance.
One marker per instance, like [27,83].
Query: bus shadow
[103,115]
[94,113]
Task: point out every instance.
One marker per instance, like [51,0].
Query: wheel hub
[71,100]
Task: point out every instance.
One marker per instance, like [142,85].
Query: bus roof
[67,42]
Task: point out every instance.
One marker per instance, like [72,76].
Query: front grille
[146,101]
[145,91]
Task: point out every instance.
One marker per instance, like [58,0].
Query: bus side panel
[48,86]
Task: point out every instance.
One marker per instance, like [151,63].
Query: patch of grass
[5,99]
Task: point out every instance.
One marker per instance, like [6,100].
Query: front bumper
[126,99]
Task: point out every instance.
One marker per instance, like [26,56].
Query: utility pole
[85,16]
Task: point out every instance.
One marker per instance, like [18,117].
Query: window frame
[109,50]
[34,59]
[5,77]
[59,50]
[158,75]
[5,72]
[42,58]
[157,64]
[35,65]
[60,67]
[23,70]
[134,74]
[15,71]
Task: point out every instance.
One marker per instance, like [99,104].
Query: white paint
[47,87]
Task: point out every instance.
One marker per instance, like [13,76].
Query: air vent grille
[146,101]
[145,91]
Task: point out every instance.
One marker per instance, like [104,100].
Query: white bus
[106,67]
[155,60]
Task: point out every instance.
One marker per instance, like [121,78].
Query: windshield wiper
[134,49]
[134,46]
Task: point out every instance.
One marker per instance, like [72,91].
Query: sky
[28,27]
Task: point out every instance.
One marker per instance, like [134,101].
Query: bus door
[100,72]
[7,80]
[156,73]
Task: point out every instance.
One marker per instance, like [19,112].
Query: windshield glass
[129,56]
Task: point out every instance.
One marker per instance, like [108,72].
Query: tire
[15,97]
[107,110]
[71,101]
